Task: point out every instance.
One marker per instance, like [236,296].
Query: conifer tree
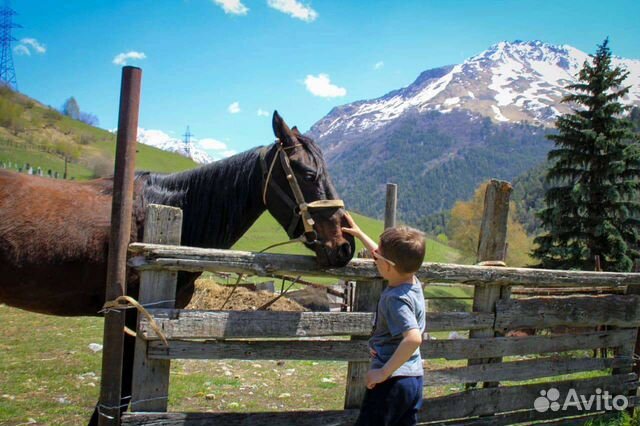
[592,206]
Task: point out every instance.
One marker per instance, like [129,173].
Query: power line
[7,70]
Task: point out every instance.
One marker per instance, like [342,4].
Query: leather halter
[299,207]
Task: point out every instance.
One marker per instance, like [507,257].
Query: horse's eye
[309,177]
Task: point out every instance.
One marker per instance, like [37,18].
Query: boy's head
[404,246]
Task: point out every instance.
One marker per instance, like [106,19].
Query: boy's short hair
[405,246]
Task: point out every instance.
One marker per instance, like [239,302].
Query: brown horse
[54,235]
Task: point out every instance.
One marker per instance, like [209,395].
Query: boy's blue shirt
[401,308]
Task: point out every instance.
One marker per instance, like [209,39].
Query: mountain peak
[509,82]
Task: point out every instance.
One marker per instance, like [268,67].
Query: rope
[491,263]
[127,302]
[232,291]
[300,239]
[282,293]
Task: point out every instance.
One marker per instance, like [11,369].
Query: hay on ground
[210,295]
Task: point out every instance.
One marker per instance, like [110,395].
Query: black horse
[53,254]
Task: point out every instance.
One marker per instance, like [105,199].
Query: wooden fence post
[492,247]
[150,390]
[367,294]
[391,205]
[121,208]
[632,348]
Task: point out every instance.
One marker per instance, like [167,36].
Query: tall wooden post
[391,206]
[367,294]
[121,210]
[492,247]
[632,348]
[150,389]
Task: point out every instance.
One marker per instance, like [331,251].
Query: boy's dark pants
[395,401]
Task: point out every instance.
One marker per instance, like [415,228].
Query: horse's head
[298,193]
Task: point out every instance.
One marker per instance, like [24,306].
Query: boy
[394,382]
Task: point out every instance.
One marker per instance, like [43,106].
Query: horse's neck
[220,201]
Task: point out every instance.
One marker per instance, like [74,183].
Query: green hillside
[267,231]
[42,137]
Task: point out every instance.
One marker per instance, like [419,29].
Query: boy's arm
[411,340]
[355,230]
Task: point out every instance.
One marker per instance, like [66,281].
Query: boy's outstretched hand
[353,228]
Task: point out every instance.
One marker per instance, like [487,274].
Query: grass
[22,155]
[42,133]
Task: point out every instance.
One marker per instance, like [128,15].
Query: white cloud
[28,45]
[262,113]
[35,44]
[122,58]
[295,9]
[213,144]
[321,85]
[233,7]
[22,50]
[216,149]
[378,65]
[234,108]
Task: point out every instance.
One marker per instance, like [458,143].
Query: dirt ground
[210,295]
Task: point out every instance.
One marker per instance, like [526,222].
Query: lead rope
[127,302]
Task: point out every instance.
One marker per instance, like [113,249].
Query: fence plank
[487,347]
[194,324]
[356,350]
[525,416]
[574,311]
[329,418]
[321,350]
[151,376]
[182,258]
[367,294]
[479,402]
[290,418]
[521,370]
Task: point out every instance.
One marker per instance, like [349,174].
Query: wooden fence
[493,356]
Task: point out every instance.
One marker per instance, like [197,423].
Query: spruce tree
[592,206]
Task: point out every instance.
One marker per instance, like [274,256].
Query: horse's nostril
[344,251]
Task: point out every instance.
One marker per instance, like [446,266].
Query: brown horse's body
[54,243]
[54,235]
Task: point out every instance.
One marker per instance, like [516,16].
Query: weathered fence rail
[179,258]
[496,357]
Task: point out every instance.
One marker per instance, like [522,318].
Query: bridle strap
[299,207]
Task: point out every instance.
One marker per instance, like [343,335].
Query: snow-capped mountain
[453,127]
[509,82]
[163,141]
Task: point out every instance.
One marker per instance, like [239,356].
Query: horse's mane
[221,200]
[214,198]
[315,152]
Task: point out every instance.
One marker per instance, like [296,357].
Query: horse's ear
[295,131]
[282,131]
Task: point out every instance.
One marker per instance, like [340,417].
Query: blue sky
[223,66]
